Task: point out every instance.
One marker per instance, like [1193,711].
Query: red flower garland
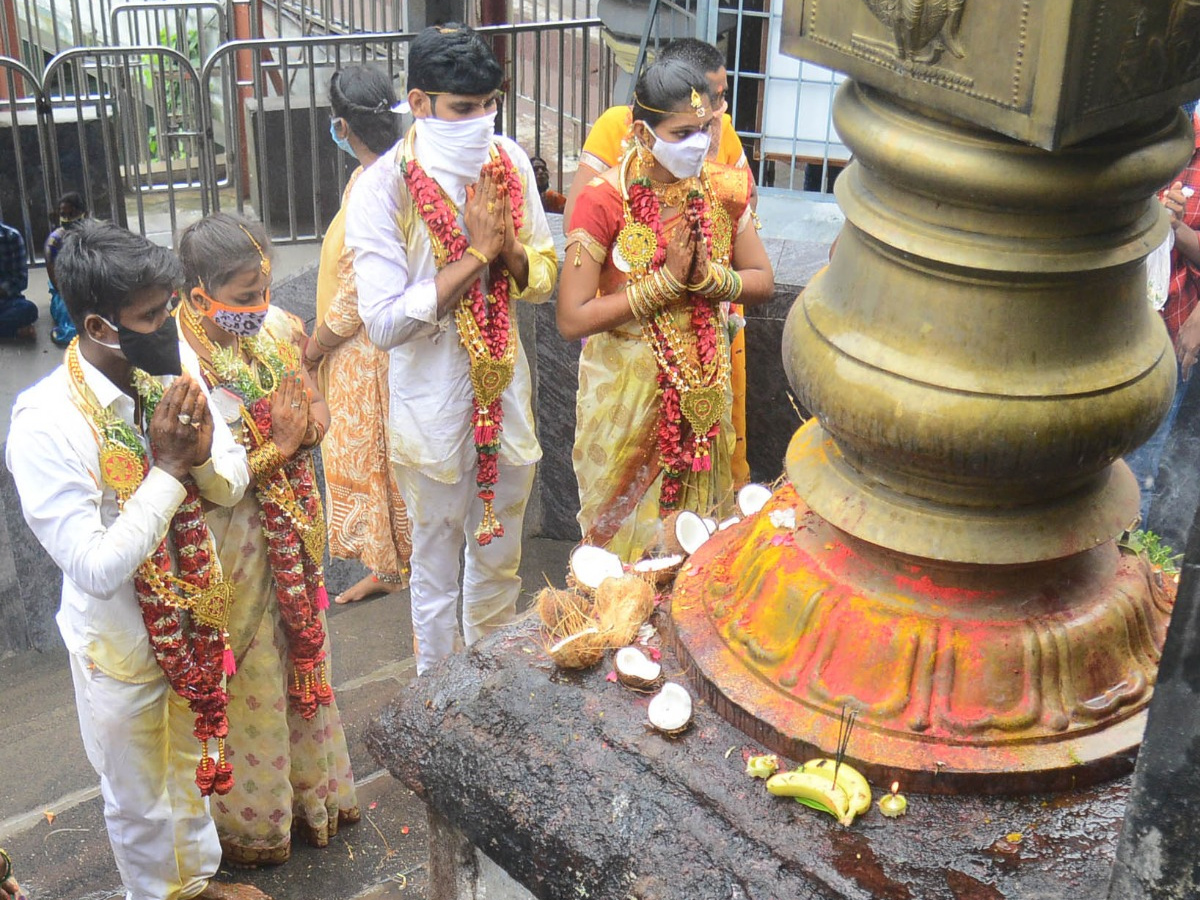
[190,653]
[680,450]
[299,579]
[492,311]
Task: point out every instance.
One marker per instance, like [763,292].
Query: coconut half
[752,498]
[711,525]
[635,670]
[591,565]
[690,531]
[671,709]
[728,523]
[578,651]
[658,570]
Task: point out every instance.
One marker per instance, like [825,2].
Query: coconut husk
[622,605]
[580,650]
[572,636]
[555,607]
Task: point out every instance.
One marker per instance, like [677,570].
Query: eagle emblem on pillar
[923,29]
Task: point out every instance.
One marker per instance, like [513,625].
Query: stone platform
[557,779]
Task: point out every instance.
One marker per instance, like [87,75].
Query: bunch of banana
[849,779]
[813,785]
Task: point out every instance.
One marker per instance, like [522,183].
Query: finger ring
[184,419]
[196,425]
[296,404]
[491,207]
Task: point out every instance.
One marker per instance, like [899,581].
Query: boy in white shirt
[111,454]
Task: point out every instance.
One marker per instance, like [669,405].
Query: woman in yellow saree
[657,247]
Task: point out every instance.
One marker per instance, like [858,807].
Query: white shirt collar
[105,391]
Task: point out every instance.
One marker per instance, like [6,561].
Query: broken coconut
[728,523]
[690,531]
[671,709]
[658,570]
[589,566]
[752,498]
[635,670]
[711,525]
[622,605]
[580,650]
[563,612]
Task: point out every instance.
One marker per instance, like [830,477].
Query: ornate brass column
[979,354]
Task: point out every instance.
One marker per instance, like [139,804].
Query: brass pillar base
[997,679]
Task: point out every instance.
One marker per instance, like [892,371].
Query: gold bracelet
[479,255]
[8,866]
[266,460]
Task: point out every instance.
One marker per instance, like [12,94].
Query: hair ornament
[264,264]
[696,102]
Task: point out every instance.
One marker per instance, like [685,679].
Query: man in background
[17,314]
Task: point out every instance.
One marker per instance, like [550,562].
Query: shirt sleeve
[225,475]
[393,308]
[61,500]
[534,236]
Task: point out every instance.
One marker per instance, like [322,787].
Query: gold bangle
[317,432]
[672,286]
[8,866]
[321,345]
[479,255]
[633,293]
[266,460]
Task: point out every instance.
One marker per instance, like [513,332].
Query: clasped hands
[488,220]
[181,428]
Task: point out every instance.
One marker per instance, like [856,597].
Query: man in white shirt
[414,261]
[100,486]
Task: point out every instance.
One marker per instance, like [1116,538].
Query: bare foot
[368,587]
[219,891]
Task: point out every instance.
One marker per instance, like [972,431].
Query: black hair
[665,87]
[363,97]
[538,159]
[699,53]
[101,266]
[217,248]
[452,59]
[73,200]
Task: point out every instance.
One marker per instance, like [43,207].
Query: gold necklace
[675,193]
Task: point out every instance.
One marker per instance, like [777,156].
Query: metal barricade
[280,161]
[141,110]
[25,197]
[152,141]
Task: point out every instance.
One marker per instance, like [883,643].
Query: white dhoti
[138,738]
[444,518]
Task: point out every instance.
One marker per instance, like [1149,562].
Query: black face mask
[155,353]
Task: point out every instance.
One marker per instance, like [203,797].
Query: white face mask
[683,159]
[459,147]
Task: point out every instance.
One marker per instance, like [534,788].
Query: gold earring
[644,155]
